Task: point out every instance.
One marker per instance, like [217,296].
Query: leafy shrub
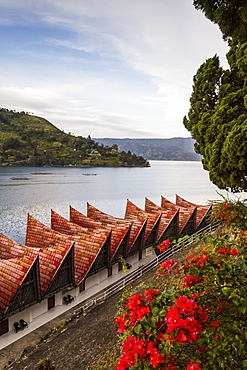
[45,364]
[201,322]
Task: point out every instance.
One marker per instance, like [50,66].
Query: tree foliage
[217,118]
[32,141]
[230,15]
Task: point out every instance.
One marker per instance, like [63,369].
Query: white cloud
[129,63]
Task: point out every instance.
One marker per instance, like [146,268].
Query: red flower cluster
[166,267]
[151,293]
[137,307]
[121,321]
[225,252]
[220,306]
[214,324]
[193,260]
[164,245]
[184,320]
[226,213]
[193,366]
[135,349]
[191,280]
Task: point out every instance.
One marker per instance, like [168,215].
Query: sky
[105,68]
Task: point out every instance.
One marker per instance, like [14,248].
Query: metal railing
[140,271]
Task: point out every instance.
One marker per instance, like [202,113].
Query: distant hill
[175,149]
[27,140]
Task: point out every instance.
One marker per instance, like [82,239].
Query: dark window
[109,271]
[4,327]
[82,286]
[120,266]
[51,302]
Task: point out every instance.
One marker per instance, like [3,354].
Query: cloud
[130,62]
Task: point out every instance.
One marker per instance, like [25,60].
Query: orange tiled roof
[167,216]
[94,237]
[107,220]
[201,212]
[96,240]
[12,274]
[40,236]
[133,212]
[49,259]
[10,249]
[185,214]
[118,232]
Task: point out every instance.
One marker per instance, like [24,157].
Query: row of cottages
[72,256]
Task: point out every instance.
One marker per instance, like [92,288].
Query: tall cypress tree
[217,118]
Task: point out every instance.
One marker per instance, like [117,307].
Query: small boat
[40,173]
[19,178]
[89,174]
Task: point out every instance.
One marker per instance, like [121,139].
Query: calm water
[105,188]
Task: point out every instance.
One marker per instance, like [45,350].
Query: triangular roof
[10,249]
[169,219]
[119,236]
[187,216]
[136,225]
[133,212]
[41,236]
[50,257]
[201,213]
[98,240]
[12,275]
[51,260]
[94,237]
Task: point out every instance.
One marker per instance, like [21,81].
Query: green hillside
[27,140]
[174,149]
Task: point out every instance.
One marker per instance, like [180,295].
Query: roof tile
[185,214]
[12,274]
[201,212]
[133,212]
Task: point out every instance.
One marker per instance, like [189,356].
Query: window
[51,302]
[109,271]
[82,286]
[4,327]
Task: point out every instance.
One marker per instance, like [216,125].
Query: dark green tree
[11,142]
[217,118]
[230,15]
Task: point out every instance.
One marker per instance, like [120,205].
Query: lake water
[36,191]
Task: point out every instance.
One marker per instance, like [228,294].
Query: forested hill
[27,140]
[175,149]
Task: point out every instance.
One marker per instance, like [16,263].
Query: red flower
[193,366]
[138,308]
[150,293]
[201,349]
[121,321]
[167,266]
[191,280]
[194,296]
[214,324]
[164,245]
[160,337]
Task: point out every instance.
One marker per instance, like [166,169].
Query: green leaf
[137,329]
[226,291]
